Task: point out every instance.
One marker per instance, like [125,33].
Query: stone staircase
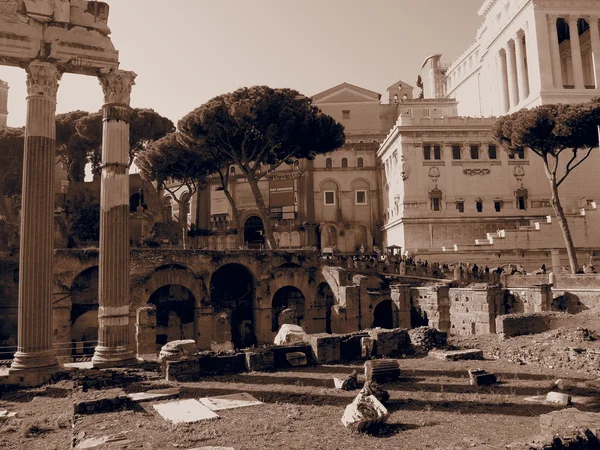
[584,224]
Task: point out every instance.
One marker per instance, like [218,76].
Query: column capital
[592,20]
[117,85]
[552,18]
[572,19]
[519,34]
[42,79]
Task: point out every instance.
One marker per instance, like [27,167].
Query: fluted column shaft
[114,346]
[34,348]
[504,103]
[555,49]
[576,53]
[595,40]
[521,72]
[513,93]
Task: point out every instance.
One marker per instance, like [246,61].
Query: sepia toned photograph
[299,224]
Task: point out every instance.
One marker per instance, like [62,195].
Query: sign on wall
[218,203]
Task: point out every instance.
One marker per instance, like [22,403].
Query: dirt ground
[432,406]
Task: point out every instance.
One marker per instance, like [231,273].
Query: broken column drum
[34,351]
[114,346]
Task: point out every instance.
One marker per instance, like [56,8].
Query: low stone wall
[574,301]
[510,325]
[473,310]
[193,369]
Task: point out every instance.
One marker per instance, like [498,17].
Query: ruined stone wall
[517,324]
[575,300]
[532,299]
[473,310]
[432,303]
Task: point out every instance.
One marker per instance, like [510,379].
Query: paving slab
[229,401]
[96,441]
[457,355]
[154,394]
[184,411]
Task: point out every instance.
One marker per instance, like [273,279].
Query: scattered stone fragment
[457,355]
[260,361]
[154,394]
[187,411]
[559,398]
[372,388]
[349,383]
[480,377]
[174,350]
[290,335]
[296,358]
[381,370]
[364,413]
[229,401]
[5,415]
[97,441]
[326,348]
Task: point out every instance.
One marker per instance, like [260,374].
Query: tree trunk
[236,216]
[264,212]
[564,225]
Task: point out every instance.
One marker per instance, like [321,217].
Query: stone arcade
[49,38]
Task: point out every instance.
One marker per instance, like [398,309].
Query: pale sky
[188,51]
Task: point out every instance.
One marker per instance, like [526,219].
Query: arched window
[344,162]
[396,98]
[359,162]
[232,170]
[328,163]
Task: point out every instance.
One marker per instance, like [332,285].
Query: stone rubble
[290,335]
[479,377]
[364,413]
[380,370]
[350,383]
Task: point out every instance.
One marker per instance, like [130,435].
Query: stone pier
[114,346]
[35,359]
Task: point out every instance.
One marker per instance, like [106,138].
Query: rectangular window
[474,152]
[426,152]
[498,206]
[456,152]
[361,197]
[521,153]
[460,206]
[479,206]
[521,204]
[435,203]
[329,197]
[492,152]
[345,114]
[437,152]
[511,156]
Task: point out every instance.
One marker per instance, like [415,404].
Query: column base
[32,369]
[105,357]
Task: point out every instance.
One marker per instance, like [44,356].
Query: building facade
[445,183]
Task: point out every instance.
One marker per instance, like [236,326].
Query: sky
[187,51]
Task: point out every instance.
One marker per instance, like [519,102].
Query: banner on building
[281,193]
[218,203]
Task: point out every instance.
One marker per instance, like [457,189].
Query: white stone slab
[184,411]
[230,401]
[154,394]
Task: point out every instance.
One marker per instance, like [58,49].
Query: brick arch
[236,262]
[395,312]
[71,279]
[160,278]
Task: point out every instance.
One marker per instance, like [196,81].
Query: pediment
[345,93]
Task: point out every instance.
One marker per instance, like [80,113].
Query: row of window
[329,162]
[436,204]
[360,197]
[435,152]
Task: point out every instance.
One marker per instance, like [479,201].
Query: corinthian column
[513,90]
[595,40]
[34,351]
[555,49]
[114,347]
[576,53]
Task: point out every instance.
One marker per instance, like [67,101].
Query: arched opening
[344,162]
[384,315]
[287,307]
[253,232]
[328,163]
[174,313]
[360,162]
[168,207]
[325,302]
[84,312]
[136,200]
[361,237]
[232,292]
